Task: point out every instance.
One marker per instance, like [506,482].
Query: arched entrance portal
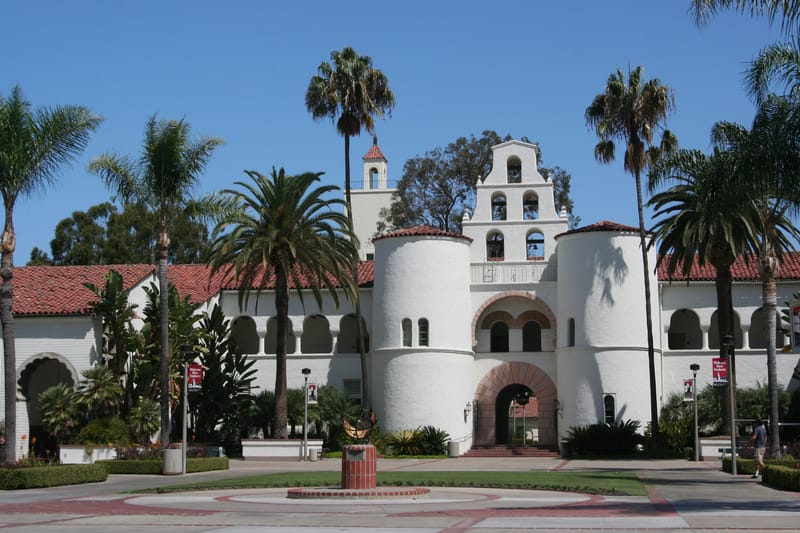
[495,394]
[39,373]
[516,415]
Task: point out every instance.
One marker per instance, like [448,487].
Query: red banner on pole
[719,371]
[194,378]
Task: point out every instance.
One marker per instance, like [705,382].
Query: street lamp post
[694,367]
[728,343]
[188,351]
[306,372]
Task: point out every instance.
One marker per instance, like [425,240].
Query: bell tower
[367,201]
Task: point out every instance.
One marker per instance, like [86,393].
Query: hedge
[783,474]
[154,466]
[50,476]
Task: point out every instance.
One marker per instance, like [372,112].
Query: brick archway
[501,377]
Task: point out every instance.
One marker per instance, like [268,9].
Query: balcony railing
[502,272]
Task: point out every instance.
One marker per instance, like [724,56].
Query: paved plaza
[682,496]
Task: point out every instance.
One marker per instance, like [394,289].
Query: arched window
[495,249]
[609,409]
[571,332]
[534,245]
[758,329]
[499,207]
[532,337]
[348,337]
[406,331]
[373,178]
[684,331]
[243,332]
[499,337]
[514,170]
[530,206]
[714,336]
[316,335]
[271,342]
[423,331]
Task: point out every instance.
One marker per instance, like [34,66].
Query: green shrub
[105,431]
[154,466]
[50,476]
[745,466]
[781,477]
[405,442]
[604,439]
[433,440]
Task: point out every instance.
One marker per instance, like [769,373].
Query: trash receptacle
[453,448]
[313,454]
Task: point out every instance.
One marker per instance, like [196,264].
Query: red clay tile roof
[374,153]
[603,225]
[43,290]
[420,231]
[743,269]
[366,275]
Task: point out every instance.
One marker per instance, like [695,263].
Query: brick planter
[359,467]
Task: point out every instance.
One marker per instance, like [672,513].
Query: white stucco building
[457,325]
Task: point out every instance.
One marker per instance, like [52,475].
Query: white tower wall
[605,298]
[416,277]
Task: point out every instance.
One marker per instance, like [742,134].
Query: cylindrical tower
[422,357]
[602,362]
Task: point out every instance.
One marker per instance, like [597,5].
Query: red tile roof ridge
[420,231]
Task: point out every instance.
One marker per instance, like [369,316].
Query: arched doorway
[516,415]
[495,394]
[39,373]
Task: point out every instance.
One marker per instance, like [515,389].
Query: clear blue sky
[239,70]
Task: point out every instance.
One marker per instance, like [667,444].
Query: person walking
[759,442]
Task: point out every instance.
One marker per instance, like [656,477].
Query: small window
[423,331]
[499,337]
[373,178]
[571,332]
[534,245]
[370,257]
[352,387]
[406,332]
[514,170]
[609,409]
[530,206]
[495,250]
[499,207]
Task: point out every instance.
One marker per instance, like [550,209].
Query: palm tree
[59,410]
[116,314]
[769,175]
[352,93]
[778,63]
[787,11]
[703,218]
[285,232]
[161,178]
[632,112]
[99,392]
[34,145]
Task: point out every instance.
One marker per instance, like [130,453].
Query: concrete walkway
[682,496]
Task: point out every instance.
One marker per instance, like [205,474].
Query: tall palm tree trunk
[163,306]
[366,404]
[651,357]
[769,273]
[723,283]
[9,332]
[282,323]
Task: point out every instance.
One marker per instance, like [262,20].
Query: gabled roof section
[421,231]
[513,142]
[744,268]
[603,225]
[45,290]
[374,151]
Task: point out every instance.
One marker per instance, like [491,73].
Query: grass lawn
[619,483]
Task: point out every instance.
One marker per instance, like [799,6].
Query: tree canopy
[102,235]
[437,188]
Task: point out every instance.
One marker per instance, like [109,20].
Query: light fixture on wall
[557,407]
[467,410]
